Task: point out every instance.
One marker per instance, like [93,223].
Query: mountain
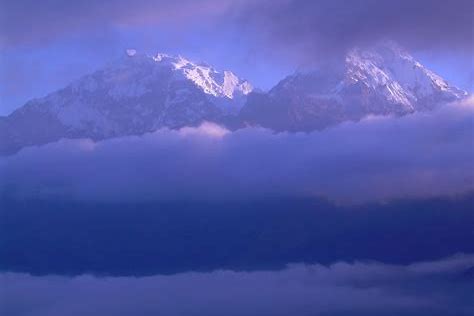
[380,80]
[140,93]
[132,96]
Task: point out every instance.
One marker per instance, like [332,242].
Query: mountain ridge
[381,80]
[130,96]
[141,93]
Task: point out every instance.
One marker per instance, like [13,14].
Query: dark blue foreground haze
[54,237]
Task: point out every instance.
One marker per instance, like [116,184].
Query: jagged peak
[221,84]
[212,81]
[177,61]
[385,71]
[387,61]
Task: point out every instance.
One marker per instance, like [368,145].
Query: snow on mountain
[381,80]
[140,93]
[397,74]
[219,84]
[131,96]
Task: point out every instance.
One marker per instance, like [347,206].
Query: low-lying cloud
[441,287]
[419,155]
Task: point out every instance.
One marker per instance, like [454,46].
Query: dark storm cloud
[311,26]
[324,27]
[426,288]
[36,22]
[423,154]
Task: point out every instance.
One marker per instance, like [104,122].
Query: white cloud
[424,154]
[358,289]
[205,129]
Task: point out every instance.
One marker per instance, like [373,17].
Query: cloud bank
[323,28]
[420,155]
[441,287]
[312,25]
[27,22]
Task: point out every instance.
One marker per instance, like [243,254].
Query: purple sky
[44,45]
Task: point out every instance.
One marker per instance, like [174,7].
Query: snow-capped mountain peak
[391,69]
[380,80]
[133,95]
[219,84]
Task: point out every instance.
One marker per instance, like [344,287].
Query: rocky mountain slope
[132,96]
[381,80]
